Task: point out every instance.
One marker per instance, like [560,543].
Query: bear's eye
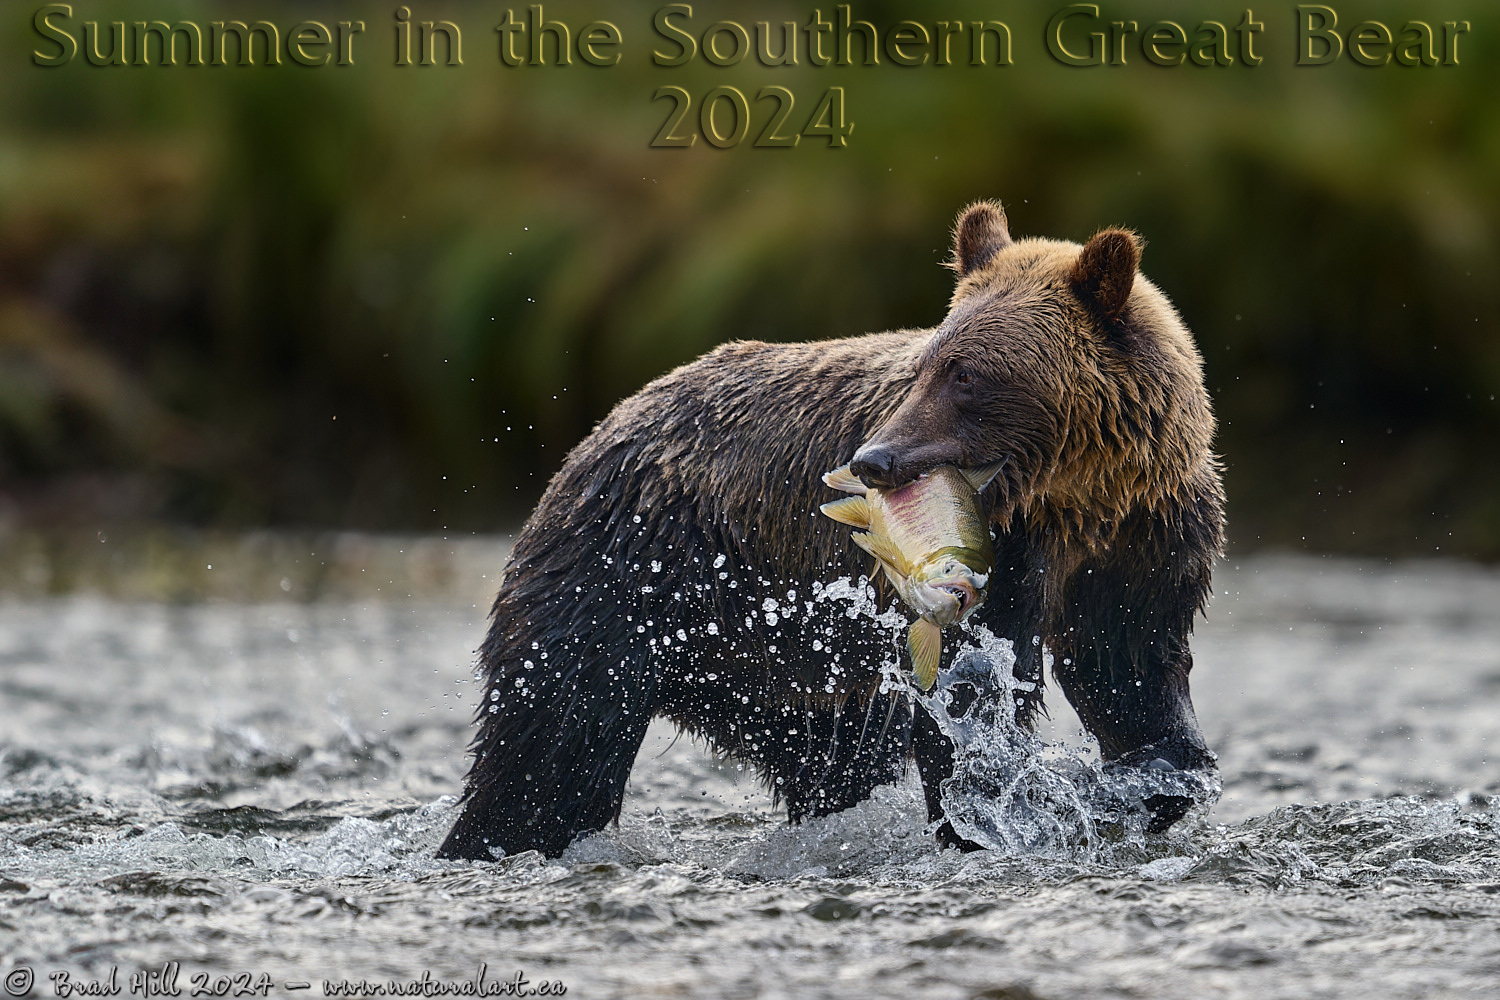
[964,377]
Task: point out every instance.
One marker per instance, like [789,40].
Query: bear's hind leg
[553,754]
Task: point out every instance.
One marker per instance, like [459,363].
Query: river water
[255,787]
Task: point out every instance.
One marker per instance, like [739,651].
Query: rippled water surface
[258,788]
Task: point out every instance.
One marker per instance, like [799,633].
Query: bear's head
[1063,362]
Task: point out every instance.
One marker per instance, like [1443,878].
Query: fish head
[946,589]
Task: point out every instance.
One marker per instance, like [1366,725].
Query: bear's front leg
[934,754]
[1140,711]
[1120,644]
[1138,708]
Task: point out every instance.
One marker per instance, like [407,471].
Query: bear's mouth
[882,468]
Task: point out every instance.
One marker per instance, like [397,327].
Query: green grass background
[391,298]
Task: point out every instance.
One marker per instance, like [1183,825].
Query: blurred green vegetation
[391,298]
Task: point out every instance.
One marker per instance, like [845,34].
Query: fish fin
[981,477]
[850,510]
[925,643]
[892,573]
[882,549]
[845,481]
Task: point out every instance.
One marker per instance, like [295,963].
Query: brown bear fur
[637,589]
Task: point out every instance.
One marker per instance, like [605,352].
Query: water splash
[1010,791]
[1014,793]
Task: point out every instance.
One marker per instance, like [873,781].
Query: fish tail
[853,511]
[845,481]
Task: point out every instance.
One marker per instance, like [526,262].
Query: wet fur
[1108,516]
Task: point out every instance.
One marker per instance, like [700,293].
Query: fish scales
[921,519]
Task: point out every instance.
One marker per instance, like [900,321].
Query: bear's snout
[875,465]
[886,466]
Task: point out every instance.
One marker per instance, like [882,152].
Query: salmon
[932,538]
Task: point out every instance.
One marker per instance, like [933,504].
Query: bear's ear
[979,233]
[1104,273]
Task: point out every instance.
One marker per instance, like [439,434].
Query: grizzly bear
[668,570]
